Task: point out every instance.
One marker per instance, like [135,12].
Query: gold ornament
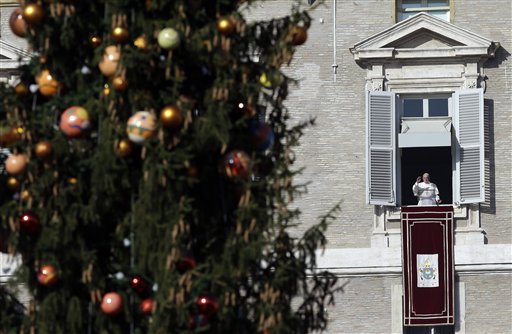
[25,195]
[13,184]
[95,41]
[141,42]
[43,149]
[110,60]
[106,90]
[119,83]
[17,23]
[33,14]
[120,34]
[124,148]
[21,89]
[72,181]
[226,26]
[171,117]
[48,86]
[298,35]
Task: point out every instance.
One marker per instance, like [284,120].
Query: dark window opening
[437,107]
[413,108]
[437,161]
[430,330]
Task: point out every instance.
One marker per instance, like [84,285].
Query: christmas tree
[148,157]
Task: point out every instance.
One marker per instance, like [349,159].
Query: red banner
[428,266]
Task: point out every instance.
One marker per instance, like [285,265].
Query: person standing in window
[426,191]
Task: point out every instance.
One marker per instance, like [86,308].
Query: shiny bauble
[298,35]
[124,148]
[146,306]
[110,60]
[226,26]
[119,83]
[120,34]
[95,41]
[17,23]
[16,164]
[48,86]
[10,135]
[168,38]
[139,284]
[33,14]
[74,122]
[186,263]
[141,42]
[141,126]
[112,303]
[43,149]
[29,222]
[262,136]
[236,165]
[271,79]
[106,90]
[47,275]
[171,117]
[13,184]
[21,89]
[25,195]
[207,305]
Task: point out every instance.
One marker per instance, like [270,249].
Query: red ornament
[17,23]
[74,122]
[29,222]
[186,263]
[146,306]
[112,303]
[236,165]
[47,275]
[207,305]
[138,284]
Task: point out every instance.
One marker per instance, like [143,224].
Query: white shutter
[380,150]
[469,131]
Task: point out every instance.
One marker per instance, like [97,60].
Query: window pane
[405,16]
[442,14]
[438,3]
[437,107]
[411,3]
[413,108]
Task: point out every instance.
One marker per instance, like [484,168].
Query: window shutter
[380,151]
[469,131]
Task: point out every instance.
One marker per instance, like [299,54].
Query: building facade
[398,88]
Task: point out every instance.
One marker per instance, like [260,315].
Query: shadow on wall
[499,57]
[489,206]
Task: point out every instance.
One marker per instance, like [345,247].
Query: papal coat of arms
[428,270]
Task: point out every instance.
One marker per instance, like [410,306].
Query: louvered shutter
[380,152]
[469,131]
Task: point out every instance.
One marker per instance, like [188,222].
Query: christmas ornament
[262,136]
[112,303]
[29,222]
[48,86]
[139,284]
[171,117]
[17,23]
[16,164]
[72,181]
[141,126]
[21,89]
[47,275]
[271,79]
[33,14]
[226,26]
[186,263]
[43,149]
[74,121]
[124,148]
[13,184]
[298,35]
[25,195]
[236,165]
[120,34]
[106,90]
[119,83]
[96,41]
[110,60]
[141,42]
[207,305]
[146,306]
[10,135]
[168,38]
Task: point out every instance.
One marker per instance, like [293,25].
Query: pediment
[423,36]
[11,56]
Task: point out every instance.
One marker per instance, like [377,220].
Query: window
[462,156]
[434,106]
[408,8]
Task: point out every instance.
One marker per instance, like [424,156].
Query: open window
[400,147]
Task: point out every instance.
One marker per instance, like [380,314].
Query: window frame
[426,108]
[398,10]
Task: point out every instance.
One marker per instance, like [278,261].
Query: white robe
[427,193]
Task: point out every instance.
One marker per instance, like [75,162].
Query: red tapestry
[428,266]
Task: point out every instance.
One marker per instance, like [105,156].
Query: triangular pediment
[11,56]
[423,36]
